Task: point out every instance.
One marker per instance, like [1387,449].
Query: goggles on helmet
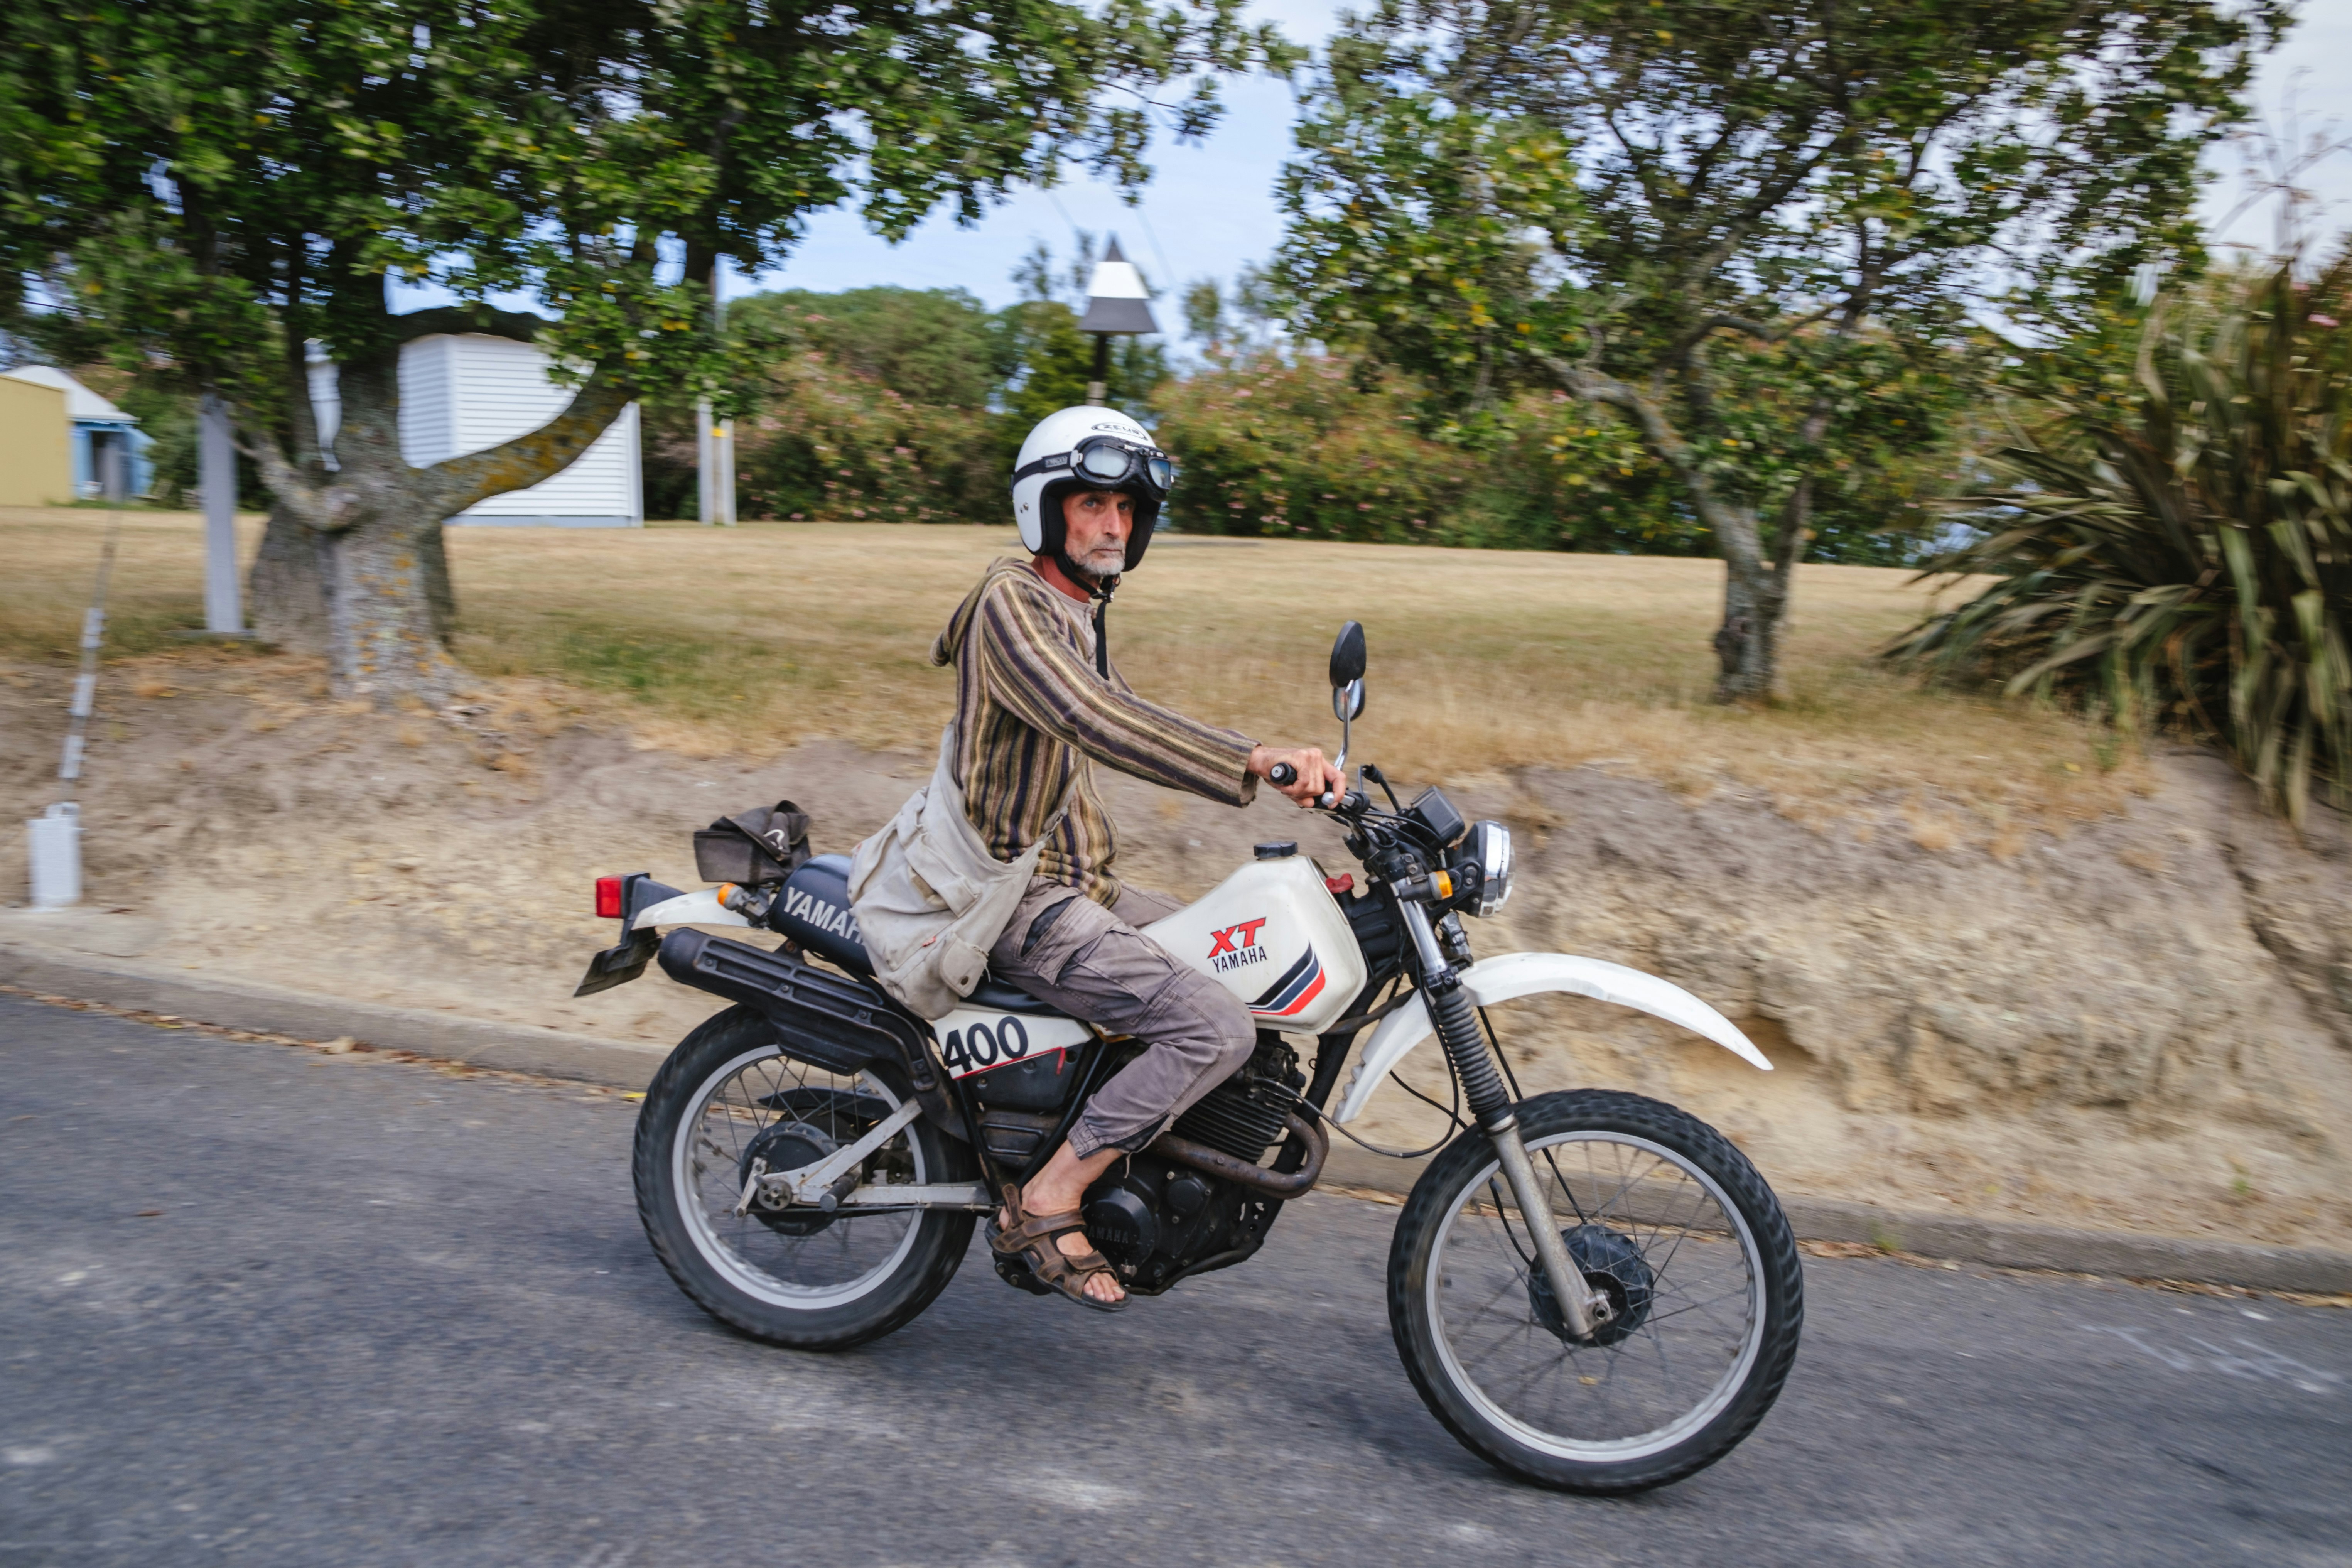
[1109,463]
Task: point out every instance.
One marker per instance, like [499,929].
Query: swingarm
[821,1183]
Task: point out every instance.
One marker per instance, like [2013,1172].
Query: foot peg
[1014,1270]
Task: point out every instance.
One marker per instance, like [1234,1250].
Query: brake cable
[1452,1117]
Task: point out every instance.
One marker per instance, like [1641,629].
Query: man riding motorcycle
[1038,703]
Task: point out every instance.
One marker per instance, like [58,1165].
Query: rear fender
[650,905]
[695,909]
[1516,974]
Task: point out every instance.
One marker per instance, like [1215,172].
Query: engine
[1156,1220]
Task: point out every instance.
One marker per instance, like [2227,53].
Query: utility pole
[1118,306]
[216,482]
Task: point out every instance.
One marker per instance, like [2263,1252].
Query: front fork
[1456,1022]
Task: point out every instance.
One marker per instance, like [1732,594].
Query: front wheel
[728,1097]
[1661,1214]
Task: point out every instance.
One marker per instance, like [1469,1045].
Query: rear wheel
[728,1097]
[1671,1223]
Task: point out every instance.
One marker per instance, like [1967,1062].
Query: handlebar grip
[1282,776]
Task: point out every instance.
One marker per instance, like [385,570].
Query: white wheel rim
[1633,1445]
[724,1257]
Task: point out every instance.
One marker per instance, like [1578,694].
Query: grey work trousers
[1092,963]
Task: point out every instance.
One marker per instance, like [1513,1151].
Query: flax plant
[2181,555]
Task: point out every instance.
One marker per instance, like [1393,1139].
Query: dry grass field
[749,640]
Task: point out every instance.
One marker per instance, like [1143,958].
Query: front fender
[1517,974]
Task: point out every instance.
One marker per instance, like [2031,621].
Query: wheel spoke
[1644,1218]
[799,1257]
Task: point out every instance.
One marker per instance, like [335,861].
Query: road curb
[553,1053]
[269,1009]
[2004,1243]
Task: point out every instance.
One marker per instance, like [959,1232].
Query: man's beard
[1099,565]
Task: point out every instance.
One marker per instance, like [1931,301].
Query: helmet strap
[1098,589]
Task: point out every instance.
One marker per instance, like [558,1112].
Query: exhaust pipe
[1241,1173]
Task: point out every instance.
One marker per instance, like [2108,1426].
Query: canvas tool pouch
[930,900]
[753,847]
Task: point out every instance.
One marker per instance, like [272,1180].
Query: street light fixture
[1118,306]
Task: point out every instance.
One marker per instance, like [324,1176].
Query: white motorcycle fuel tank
[1273,935]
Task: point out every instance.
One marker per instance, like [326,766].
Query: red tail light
[608,898]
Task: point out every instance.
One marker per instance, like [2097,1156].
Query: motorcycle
[1591,1289]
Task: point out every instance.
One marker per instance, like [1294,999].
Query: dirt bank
[2144,1025]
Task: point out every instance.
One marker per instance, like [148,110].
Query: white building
[464,393]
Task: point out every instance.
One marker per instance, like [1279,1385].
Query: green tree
[929,345]
[1768,235]
[876,404]
[1312,447]
[213,186]
[1229,323]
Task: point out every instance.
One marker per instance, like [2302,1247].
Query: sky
[1210,207]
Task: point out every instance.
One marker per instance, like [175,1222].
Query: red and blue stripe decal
[1288,996]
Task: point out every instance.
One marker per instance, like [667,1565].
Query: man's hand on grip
[1301,772]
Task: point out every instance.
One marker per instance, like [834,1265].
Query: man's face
[1096,524]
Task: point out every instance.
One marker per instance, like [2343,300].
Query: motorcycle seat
[813,911]
[1000,997]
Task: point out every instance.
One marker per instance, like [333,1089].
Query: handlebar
[1282,776]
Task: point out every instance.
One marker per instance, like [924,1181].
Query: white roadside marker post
[55,837]
[56,841]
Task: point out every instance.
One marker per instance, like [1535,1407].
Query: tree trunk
[352,561]
[353,564]
[1754,591]
[1748,644]
[287,588]
[364,595]
[383,638]
[1756,598]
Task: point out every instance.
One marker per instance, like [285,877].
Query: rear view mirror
[1347,655]
[1347,691]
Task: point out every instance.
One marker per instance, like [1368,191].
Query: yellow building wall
[35,458]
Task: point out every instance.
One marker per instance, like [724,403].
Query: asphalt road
[387,1316]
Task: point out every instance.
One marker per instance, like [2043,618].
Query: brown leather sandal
[1032,1239]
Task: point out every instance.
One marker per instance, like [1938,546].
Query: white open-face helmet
[1087,449]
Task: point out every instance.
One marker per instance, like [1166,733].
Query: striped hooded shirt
[1032,716]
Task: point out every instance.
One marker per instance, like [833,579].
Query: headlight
[1490,847]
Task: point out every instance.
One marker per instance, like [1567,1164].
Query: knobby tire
[942,1235]
[1440,1191]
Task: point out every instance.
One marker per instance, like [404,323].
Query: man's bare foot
[1074,1243]
[1060,1188]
